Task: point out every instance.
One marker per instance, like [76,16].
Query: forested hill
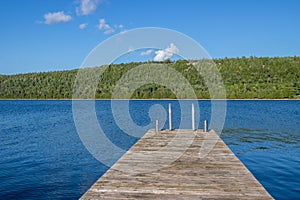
[262,78]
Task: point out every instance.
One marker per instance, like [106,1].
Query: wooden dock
[146,170]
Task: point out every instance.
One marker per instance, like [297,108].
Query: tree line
[243,78]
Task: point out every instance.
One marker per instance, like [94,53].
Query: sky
[50,35]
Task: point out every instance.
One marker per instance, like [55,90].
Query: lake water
[42,156]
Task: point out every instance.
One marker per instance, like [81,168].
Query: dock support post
[193,117]
[170,117]
[205,126]
[156,126]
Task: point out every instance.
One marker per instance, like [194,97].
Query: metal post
[205,126]
[156,126]
[170,117]
[193,117]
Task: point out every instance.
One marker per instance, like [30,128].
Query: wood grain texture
[145,171]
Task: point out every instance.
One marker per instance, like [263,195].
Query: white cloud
[105,27]
[130,50]
[123,32]
[87,7]
[167,53]
[83,26]
[56,17]
[146,53]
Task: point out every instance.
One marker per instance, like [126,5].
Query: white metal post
[170,117]
[156,126]
[205,126]
[193,117]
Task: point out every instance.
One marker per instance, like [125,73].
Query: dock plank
[144,172]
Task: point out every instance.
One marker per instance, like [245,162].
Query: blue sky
[48,35]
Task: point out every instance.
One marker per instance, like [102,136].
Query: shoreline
[149,99]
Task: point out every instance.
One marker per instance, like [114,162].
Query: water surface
[42,156]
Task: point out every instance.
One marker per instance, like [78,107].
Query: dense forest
[261,78]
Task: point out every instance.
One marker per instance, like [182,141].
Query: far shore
[148,99]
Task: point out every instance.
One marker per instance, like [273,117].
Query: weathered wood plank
[145,172]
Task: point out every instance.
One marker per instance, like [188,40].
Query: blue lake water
[42,156]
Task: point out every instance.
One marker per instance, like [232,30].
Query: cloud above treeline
[56,17]
[163,54]
[146,53]
[167,53]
